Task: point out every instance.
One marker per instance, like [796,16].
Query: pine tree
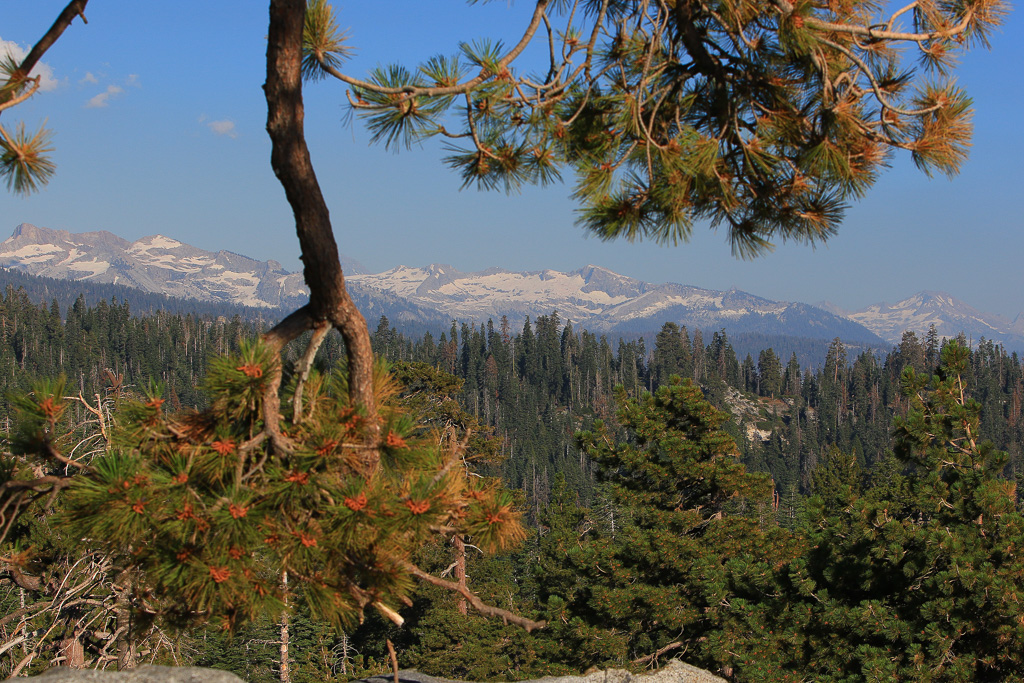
[206,514]
[764,118]
[686,556]
[920,578]
[769,373]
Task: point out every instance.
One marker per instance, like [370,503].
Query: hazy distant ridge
[949,315]
[602,301]
[592,297]
[154,264]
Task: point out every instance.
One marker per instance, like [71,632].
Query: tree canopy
[765,118]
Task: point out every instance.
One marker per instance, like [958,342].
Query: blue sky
[159,119]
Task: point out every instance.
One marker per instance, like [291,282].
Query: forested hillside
[821,435]
[538,384]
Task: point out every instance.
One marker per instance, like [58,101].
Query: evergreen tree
[689,549]
[769,373]
[765,119]
[671,355]
[206,516]
[921,582]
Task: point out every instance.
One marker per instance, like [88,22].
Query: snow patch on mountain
[597,299]
[154,264]
[949,315]
[593,297]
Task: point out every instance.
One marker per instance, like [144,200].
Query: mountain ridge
[949,315]
[593,296]
[154,264]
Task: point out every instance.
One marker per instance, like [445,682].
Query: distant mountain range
[154,264]
[949,316]
[603,301]
[592,297]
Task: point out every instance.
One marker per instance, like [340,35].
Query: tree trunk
[126,652]
[73,652]
[125,641]
[286,672]
[460,569]
[328,298]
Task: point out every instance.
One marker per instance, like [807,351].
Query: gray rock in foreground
[144,674]
[674,672]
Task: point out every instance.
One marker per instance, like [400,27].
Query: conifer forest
[306,497]
[854,518]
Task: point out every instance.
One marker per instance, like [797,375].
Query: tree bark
[328,298]
[73,652]
[286,671]
[75,8]
[460,571]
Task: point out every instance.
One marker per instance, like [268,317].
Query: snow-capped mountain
[601,301]
[154,264]
[949,315]
[592,297]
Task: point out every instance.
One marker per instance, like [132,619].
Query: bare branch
[478,604]
[75,8]
[305,364]
[15,101]
[462,88]
[654,655]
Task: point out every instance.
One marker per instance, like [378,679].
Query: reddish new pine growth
[220,574]
[297,477]
[497,517]
[225,447]
[238,511]
[417,507]
[49,408]
[251,370]
[327,447]
[356,504]
[395,441]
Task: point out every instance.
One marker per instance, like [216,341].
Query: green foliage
[323,43]
[764,119]
[25,164]
[442,640]
[689,549]
[921,582]
[523,394]
[210,515]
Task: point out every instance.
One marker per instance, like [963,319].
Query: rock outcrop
[144,674]
[674,672]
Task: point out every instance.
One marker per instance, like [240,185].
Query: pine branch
[478,604]
[410,91]
[75,8]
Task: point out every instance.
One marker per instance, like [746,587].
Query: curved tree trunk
[328,298]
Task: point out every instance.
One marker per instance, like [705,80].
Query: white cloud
[46,80]
[88,78]
[101,100]
[224,127]
[133,80]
